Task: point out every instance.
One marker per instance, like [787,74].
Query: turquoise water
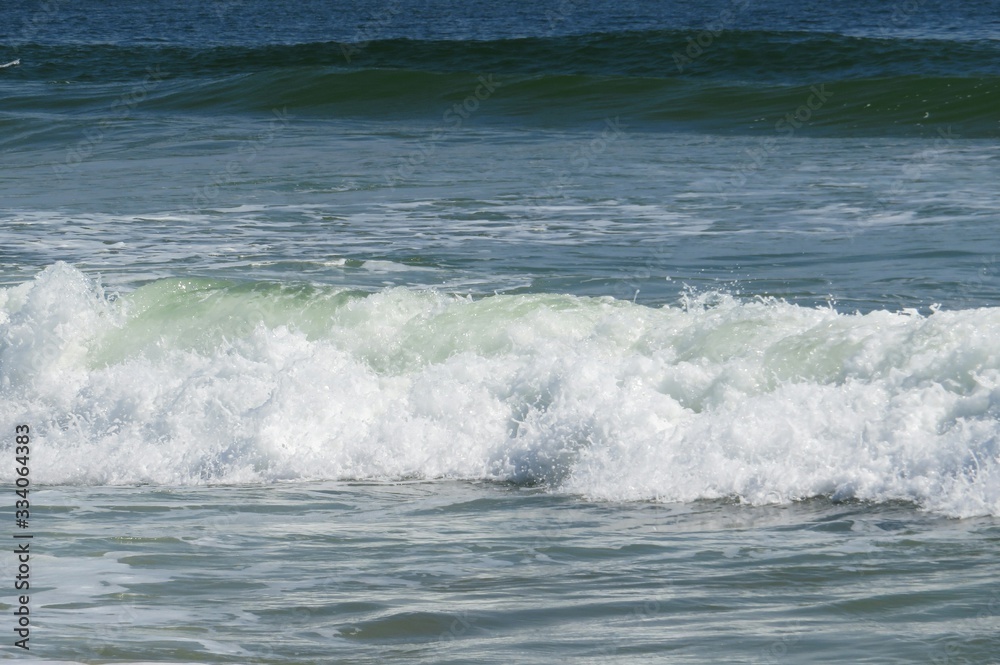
[495,333]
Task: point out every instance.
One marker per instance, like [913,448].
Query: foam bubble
[194,381]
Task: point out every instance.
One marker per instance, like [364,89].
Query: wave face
[673,79]
[187,382]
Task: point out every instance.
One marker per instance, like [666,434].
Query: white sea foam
[185,382]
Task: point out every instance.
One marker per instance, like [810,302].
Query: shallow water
[463,572]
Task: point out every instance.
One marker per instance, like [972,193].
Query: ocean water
[431,332]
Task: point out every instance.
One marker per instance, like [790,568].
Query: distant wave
[737,81]
[196,381]
[786,57]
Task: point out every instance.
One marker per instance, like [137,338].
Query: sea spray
[761,401]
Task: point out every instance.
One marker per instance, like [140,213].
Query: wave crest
[185,382]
